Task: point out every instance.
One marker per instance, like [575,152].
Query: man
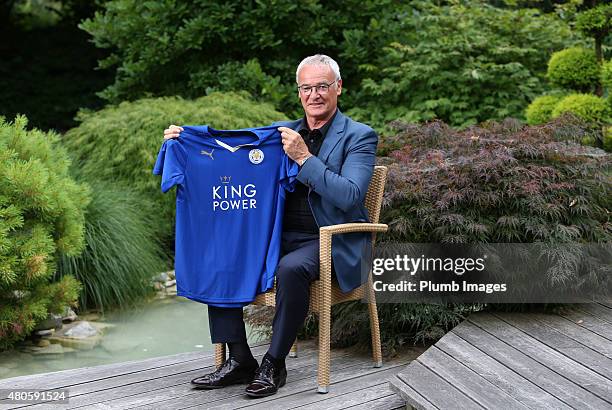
[336,157]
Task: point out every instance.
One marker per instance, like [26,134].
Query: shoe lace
[266,370]
[225,364]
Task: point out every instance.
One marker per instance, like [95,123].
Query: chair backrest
[374,196]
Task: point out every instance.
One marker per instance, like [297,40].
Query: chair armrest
[353,227]
[325,242]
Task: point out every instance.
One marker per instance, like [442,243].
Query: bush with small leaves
[537,177]
[589,107]
[41,216]
[607,139]
[574,68]
[606,76]
[540,110]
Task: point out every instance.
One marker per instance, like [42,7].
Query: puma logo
[210,154]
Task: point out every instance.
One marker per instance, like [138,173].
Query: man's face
[319,105]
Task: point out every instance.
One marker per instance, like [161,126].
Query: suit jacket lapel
[334,135]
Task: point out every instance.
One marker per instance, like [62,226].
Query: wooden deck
[163,383]
[517,361]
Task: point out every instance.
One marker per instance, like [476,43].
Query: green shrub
[478,178]
[461,62]
[574,68]
[41,214]
[607,139]
[606,76]
[120,143]
[586,106]
[540,109]
[122,251]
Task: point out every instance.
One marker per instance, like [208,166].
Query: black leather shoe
[268,378]
[230,372]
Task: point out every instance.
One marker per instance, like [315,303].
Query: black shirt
[298,215]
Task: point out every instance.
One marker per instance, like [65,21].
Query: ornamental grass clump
[122,252]
[41,217]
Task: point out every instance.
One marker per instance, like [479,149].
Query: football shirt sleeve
[288,173]
[170,164]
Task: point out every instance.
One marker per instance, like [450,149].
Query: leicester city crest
[256,156]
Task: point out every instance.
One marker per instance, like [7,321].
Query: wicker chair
[324,293]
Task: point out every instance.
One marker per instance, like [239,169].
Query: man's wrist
[303,160]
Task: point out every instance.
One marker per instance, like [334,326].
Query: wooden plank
[497,374]
[350,399]
[391,402]
[411,396]
[546,355]
[295,390]
[70,377]
[300,370]
[434,388]
[588,321]
[102,389]
[606,303]
[148,385]
[66,378]
[560,342]
[467,381]
[596,310]
[580,334]
[350,390]
[540,375]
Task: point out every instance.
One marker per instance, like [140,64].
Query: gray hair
[319,59]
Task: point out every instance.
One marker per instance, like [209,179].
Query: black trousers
[298,266]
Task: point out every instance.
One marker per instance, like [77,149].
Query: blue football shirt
[229,210]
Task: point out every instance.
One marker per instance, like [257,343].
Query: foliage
[607,139]
[41,214]
[606,75]
[459,61]
[574,68]
[498,182]
[596,22]
[400,324]
[122,252]
[120,143]
[540,109]
[185,48]
[463,62]
[589,107]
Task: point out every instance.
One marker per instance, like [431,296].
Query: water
[162,327]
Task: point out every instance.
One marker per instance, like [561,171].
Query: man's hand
[172,131]
[294,145]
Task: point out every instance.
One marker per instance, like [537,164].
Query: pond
[159,328]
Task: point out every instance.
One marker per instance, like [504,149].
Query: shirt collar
[323,130]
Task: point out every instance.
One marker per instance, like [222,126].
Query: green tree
[190,47]
[463,62]
[41,215]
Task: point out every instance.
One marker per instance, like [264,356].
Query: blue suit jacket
[338,179]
